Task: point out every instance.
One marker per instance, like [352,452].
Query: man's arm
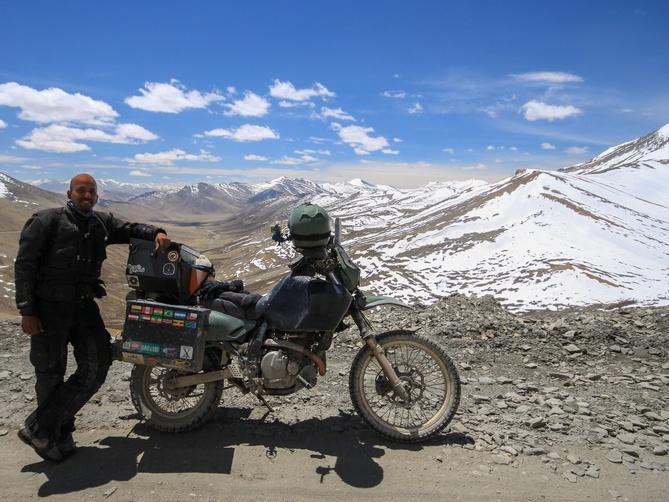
[120,232]
[26,272]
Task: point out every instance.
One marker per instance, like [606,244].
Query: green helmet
[309,226]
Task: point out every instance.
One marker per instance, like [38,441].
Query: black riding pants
[59,400]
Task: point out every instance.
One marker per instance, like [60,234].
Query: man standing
[57,274]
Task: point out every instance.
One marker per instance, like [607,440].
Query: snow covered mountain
[108,188]
[593,233]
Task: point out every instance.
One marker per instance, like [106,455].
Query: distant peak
[664,131]
[360,182]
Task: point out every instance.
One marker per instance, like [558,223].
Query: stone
[569,334]
[572,349]
[574,459]
[615,457]
[478,399]
[626,438]
[4,432]
[502,459]
[627,426]
[5,374]
[649,386]
[570,476]
[553,455]
[650,415]
[486,380]
[592,472]
[615,348]
[534,451]
[509,449]
[531,365]
[536,423]
[660,450]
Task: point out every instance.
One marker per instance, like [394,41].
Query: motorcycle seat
[240,305]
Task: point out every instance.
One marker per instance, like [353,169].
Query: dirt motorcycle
[185,348]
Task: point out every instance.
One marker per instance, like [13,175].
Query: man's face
[84,193]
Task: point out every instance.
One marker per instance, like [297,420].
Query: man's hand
[31,325]
[162,241]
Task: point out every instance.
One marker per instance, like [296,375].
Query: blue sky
[392,92]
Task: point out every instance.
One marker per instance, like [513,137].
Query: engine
[285,370]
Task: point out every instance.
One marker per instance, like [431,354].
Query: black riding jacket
[61,253]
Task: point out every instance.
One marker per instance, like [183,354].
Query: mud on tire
[177,411]
[427,373]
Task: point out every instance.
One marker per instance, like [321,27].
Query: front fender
[377,301]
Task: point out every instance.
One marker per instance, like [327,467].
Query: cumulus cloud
[416,108]
[255,157]
[309,151]
[55,105]
[397,140]
[548,77]
[294,161]
[576,150]
[489,147]
[359,139]
[394,94]
[169,157]
[538,110]
[170,97]
[390,151]
[3,124]
[547,146]
[139,172]
[295,104]
[246,132]
[251,105]
[287,91]
[66,139]
[449,150]
[336,113]
[513,148]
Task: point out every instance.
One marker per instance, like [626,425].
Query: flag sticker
[146,310]
[167,321]
[136,308]
[191,324]
[178,324]
[192,316]
[179,315]
[168,313]
[157,311]
[186,352]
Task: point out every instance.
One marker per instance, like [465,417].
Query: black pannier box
[179,271]
[158,334]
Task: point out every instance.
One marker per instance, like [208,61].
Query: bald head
[83,192]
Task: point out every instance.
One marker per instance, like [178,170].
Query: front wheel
[170,409]
[429,377]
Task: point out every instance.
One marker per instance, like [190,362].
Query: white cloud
[549,77]
[246,132]
[537,110]
[489,147]
[359,139]
[547,146]
[169,157]
[287,91]
[394,94]
[576,150]
[3,124]
[309,151]
[397,140]
[255,157]
[336,113]
[294,161]
[231,89]
[12,158]
[295,104]
[251,105]
[389,151]
[449,150]
[416,108]
[513,148]
[170,97]
[55,105]
[139,172]
[65,139]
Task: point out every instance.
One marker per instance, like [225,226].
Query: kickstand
[263,401]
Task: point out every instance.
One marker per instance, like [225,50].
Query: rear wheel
[173,410]
[428,376]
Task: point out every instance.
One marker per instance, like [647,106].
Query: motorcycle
[403,385]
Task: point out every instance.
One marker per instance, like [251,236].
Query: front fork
[368,335]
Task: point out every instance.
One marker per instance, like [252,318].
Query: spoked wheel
[170,409]
[428,376]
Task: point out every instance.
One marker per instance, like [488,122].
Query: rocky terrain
[581,396]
